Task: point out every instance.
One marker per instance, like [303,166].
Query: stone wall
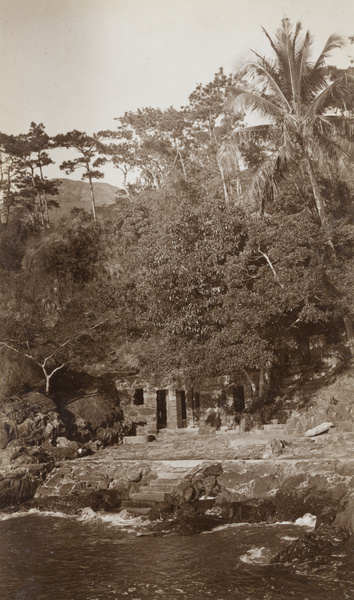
[213,400]
[141,417]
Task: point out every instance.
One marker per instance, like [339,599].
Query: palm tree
[291,94]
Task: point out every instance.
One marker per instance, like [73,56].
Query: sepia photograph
[177,300]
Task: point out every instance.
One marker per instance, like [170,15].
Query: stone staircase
[156,490]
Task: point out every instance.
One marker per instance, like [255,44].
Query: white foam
[255,555]
[33,511]
[123,519]
[262,524]
[308,520]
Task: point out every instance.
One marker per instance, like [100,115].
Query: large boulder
[94,416]
[33,419]
[15,490]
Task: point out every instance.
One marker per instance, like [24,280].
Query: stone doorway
[238,394]
[181,409]
[161,409]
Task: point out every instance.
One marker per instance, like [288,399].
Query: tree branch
[271,266]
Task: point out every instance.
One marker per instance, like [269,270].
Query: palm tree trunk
[226,195]
[321,211]
[316,194]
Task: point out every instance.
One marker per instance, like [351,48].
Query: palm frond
[253,129]
[263,184]
[257,104]
[302,60]
[334,41]
[229,157]
[335,92]
[339,145]
[261,75]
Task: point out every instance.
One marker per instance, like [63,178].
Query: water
[109,557]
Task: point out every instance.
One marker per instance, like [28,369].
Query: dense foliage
[187,273]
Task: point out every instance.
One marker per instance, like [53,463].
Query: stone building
[217,401]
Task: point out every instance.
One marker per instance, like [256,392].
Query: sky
[78,64]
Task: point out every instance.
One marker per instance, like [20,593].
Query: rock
[345,519]
[108,436]
[96,410]
[8,432]
[274,448]
[64,453]
[33,419]
[94,416]
[93,446]
[326,516]
[62,442]
[322,541]
[135,475]
[16,491]
[213,470]
[24,456]
[319,429]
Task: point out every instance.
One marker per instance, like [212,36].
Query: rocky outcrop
[319,543]
[332,403]
[94,417]
[345,519]
[235,490]
[32,420]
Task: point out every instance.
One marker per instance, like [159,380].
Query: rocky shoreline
[69,461]
[186,496]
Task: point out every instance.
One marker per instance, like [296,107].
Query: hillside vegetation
[227,246]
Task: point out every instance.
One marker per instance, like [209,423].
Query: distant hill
[76,194]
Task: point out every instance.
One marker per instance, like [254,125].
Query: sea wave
[123,519]
[34,511]
[256,555]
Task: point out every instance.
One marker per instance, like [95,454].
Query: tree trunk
[48,376]
[44,197]
[321,211]
[223,183]
[316,194]
[349,329]
[93,204]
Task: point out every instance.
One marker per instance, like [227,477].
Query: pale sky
[77,64]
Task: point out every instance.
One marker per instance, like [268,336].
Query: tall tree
[23,179]
[86,146]
[292,95]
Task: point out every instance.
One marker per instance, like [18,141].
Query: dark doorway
[161,409]
[181,409]
[239,398]
[139,397]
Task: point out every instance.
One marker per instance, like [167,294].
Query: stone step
[273,427]
[166,489]
[175,475]
[167,481]
[178,431]
[146,496]
[137,439]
